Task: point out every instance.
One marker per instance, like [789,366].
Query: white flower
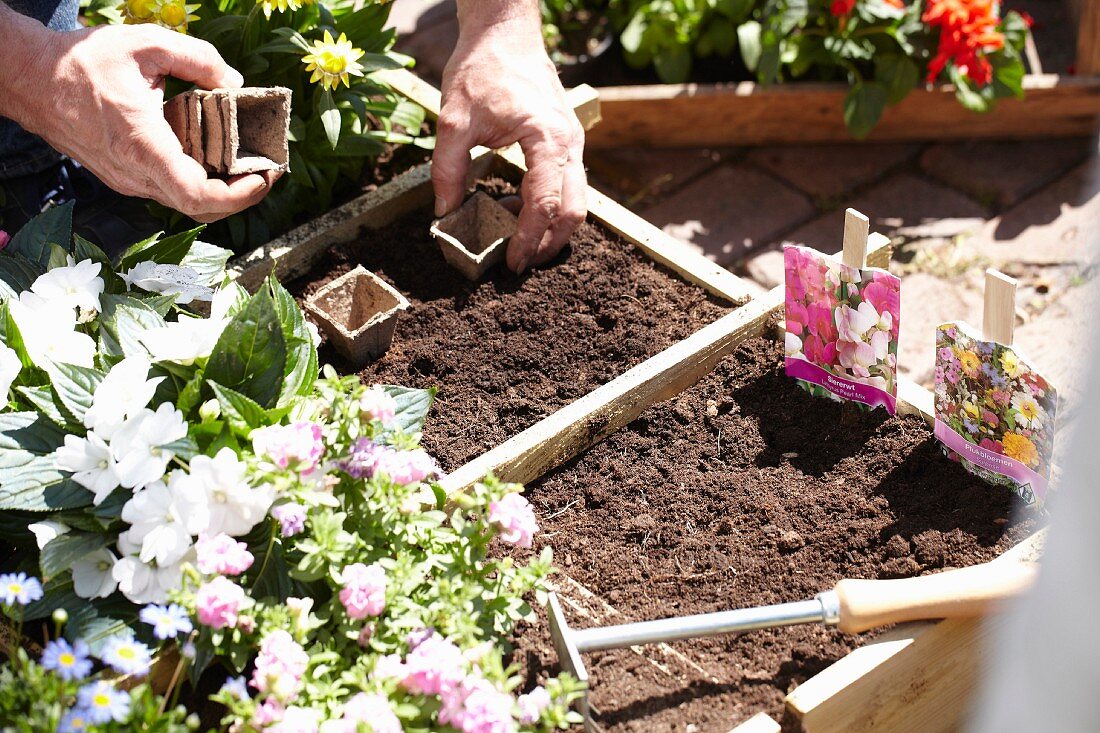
[77,285]
[46,531]
[182,282]
[792,345]
[234,506]
[163,518]
[122,394]
[137,444]
[47,331]
[143,582]
[9,370]
[185,340]
[92,574]
[92,463]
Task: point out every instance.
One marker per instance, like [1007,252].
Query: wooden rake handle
[967,592]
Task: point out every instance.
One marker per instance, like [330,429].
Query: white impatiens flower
[163,518]
[142,582]
[122,394]
[77,285]
[182,282]
[137,444]
[93,575]
[47,328]
[9,370]
[185,340]
[235,507]
[92,463]
[47,531]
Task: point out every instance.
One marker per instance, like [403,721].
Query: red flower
[968,30]
[842,7]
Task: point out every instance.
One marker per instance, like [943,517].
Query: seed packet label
[842,328]
[994,413]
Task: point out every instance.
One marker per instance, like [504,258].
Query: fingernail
[521,266]
[232,79]
[440,206]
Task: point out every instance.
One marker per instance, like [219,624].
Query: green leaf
[29,477]
[241,412]
[250,356]
[60,553]
[17,274]
[412,406]
[673,65]
[748,39]
[863,107]
[45,401]
[74,386]
[1008,76]
[124,318]
[631,36]
[269,576]
[898,74]
[301,356]
[53,226]
[168,251]
[968,96]
[208,261]
[330,117]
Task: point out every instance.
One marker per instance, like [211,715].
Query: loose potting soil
[511,349]
[746,491]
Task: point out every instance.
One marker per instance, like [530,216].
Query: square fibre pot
[358,312]
[233,131]
[472,237]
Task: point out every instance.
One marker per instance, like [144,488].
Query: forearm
[23,40]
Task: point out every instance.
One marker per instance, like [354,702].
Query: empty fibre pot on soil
[745,491]
[358,311]
[472,238]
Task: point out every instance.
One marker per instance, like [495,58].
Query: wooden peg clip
[999,316]
[856,230]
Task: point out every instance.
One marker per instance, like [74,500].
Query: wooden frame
[749,114]
[847,696]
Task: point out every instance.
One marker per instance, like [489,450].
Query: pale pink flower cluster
[516,519]
[222,554]
[218,601]
[477,706]
[435,667]
[297,446]
[364,591]
[377,404]
[296,720]
[280,665]
[532,704]
[402,467]
[291,517]
[373,709]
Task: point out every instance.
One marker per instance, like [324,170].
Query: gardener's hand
[500,88]
[97,95]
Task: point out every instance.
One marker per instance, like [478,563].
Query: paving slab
[730,212]
[636,175]
[926,302]
[1000,174]
[407,16]
[827,172]
[431,45]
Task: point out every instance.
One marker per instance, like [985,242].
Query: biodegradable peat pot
[472,237]
[233,131]
[359,313]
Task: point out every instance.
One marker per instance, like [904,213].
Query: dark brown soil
[512,349]
[746,491]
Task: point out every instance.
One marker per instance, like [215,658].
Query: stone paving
[1029,208]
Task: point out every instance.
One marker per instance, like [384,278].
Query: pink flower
[218,602]
[476,706]
[291,517]
[390,667]
[856,356]
[269,711]
[364,459]
[377,404]
[883,294]
[797,318]
[514,515]
[992,445]
[852,323]
[821,353]
[280,665]
[364,591]
[297,720]
[4,239]
[298,446]
[990,419]
[406,467]
[532,704]
[373,709]
[435,666]
[222,554]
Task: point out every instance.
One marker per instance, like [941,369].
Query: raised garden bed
[745,491]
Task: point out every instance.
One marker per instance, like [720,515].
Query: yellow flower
[270,6]
[332,61]
[137,11]
[1011,364]
[175,14]
[969,362]
[1020,448]
[971,409]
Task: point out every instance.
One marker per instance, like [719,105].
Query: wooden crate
[849,693]
[749,114]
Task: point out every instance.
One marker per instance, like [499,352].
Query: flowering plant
[845,322]
[991,398]
[882,48]
[327,54]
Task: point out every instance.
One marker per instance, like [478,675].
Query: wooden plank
[999,313]
[916,677]
[759,723]
[747,114]
[1088,39]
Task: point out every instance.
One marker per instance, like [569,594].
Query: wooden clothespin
[999,316]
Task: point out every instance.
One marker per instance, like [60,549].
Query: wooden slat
[690,115]
[1088,39]
[759,723]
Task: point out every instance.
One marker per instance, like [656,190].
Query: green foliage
[572,27]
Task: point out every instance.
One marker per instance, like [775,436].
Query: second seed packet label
[842,328]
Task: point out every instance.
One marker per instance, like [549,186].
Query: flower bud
[60,616]
[193,721]
[210,410]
